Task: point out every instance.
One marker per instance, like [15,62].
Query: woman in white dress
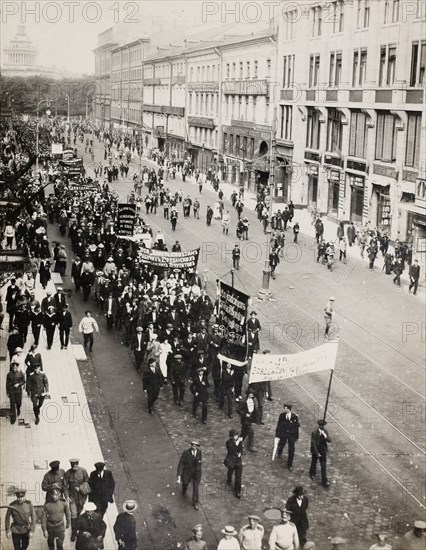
[216,214]
[165,349]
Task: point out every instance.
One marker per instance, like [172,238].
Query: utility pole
[265,293]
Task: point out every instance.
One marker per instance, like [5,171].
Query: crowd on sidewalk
[169,322]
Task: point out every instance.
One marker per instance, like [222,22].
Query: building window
[335,68]
[288,70]
[241,69]
[286,121]
[338,16]
[412,148]
[418,62]
[255,69]
[267,105]
[228,71]
[334,131]
[225,142]
[227,106]
[313,129]
[234,71]
[247,69]
[358,135]
[316,21]
[387,65]
[314,66]
[268,68]
[385,137]
[254,108]
[231,144]
[395,11]
[190,103]
[359,67]
[289,18]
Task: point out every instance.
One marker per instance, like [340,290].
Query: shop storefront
[333,177]
[382,201]
[312,170]
[357,187]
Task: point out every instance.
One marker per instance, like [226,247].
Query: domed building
[20,58]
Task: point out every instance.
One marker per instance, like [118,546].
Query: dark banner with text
[126,219]
[170,260]
[232,318]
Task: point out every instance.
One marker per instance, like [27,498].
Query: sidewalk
[66,430]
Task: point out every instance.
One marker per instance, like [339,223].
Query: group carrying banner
[170,260]
[126,214]
[279,367]
[232,318]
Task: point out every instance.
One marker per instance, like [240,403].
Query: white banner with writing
[279,367]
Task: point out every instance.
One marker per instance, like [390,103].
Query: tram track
[351,436]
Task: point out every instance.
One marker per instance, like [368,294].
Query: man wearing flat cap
[76,481]
[200,392]
[319,449]
[55,518]
[251,535]
[15,381]
[53,479]
[102,486]
[196,542]
[381,543]
[152,383]
[338,543]
[23,521]
[125,527]
[178,378]
[233,460]
[415,538]
[189,469]
[90,529]
[298,504]
[284,536]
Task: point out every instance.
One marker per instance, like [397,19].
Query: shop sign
[334,175]
[357,181]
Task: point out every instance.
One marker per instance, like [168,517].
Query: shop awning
[262,163]
[414,208]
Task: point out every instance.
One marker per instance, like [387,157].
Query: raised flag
[232,320]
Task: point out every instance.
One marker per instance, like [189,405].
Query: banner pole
[328,394]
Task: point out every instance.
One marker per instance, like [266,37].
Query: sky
[66,32]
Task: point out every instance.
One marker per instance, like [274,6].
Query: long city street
[376,414]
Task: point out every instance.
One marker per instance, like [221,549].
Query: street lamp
[47,100]
[68,109]
[264,293]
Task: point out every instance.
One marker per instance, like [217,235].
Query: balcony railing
[246,87]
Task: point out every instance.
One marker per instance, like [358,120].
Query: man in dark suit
[65,325]
[189,469]
[202,341]
[152,384]
[298,504]
[102,483]
[227,389]
[414,276]
[253,323]
[12,295]
[319,449]
[173,318]
[201,395]
[233,461]
[288,432]
[47,301]
[59,300]
[138,346]
[248,411]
